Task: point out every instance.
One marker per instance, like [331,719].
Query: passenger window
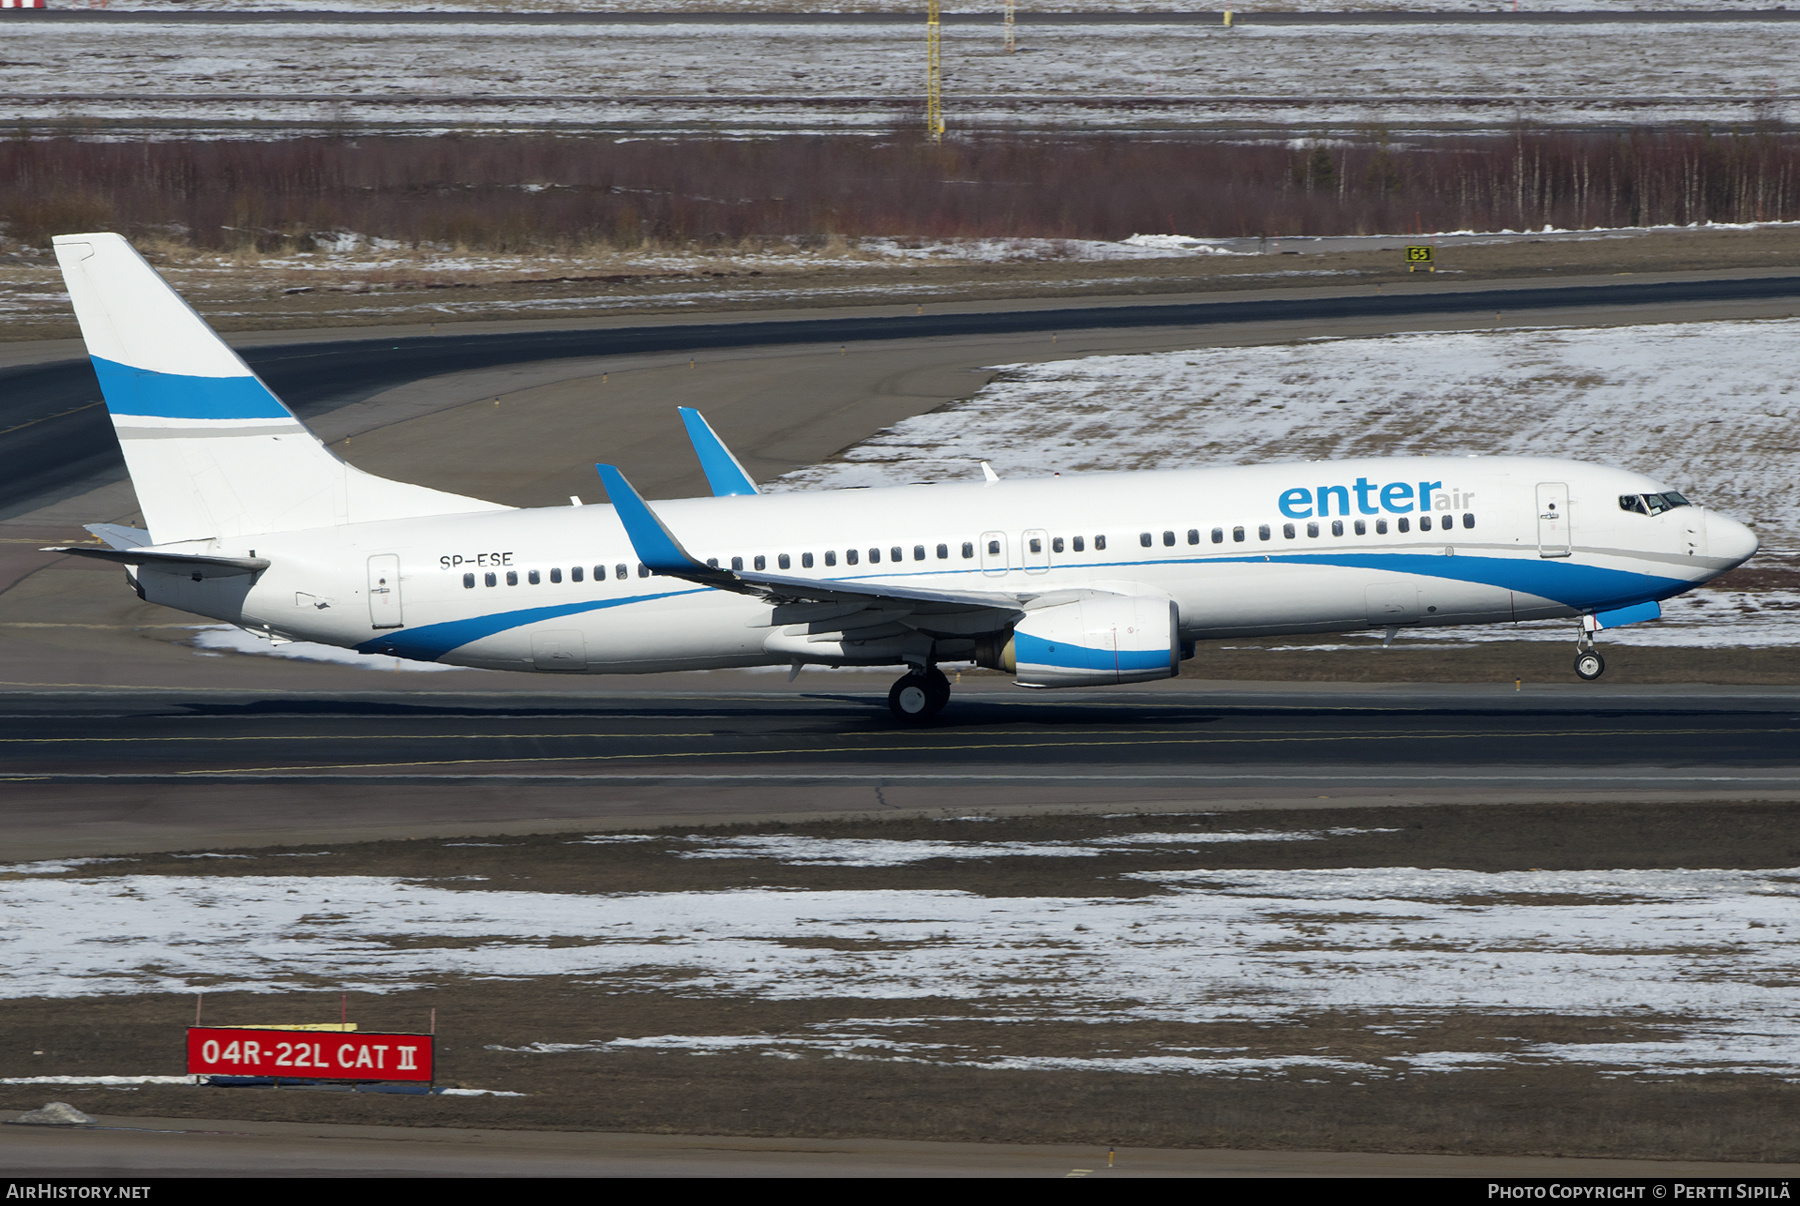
[576,574]
[468,581]
[599,573]
[1262,533]
[943,552]
[993,548]
[556,574]
[1312,529]
[1145,539]
[532,577]
[1337,527]
[1168,540]
[512,577]
[1056,544]
[643,570]
[918,552]
[491,581]
[783,561]
[1193,535]
[1099,544]
[737,563]
[1468,519]
[1237,535]
[713,561]
[1404,524]
[1381,527]
[830,556]
[805,560]
[1424,523]
[1077,543]
[968,549]
[874,556]
[1287,530]
[896,554]
[850,557]
[1218,535]
[620,571]
[1362,528]
[761,562]
[1037,544]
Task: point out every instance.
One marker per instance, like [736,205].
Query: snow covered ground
[1711,408]
[225,78]
[1705,959]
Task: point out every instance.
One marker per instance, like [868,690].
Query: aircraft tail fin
[212,452]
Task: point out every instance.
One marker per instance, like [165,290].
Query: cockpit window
[1652,504]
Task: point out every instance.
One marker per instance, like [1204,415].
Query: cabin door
[384,591]
[1554,530]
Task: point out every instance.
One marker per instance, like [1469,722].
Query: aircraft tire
[939,686]
[1589,665]
[912,700]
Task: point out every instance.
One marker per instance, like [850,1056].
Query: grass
[542,192]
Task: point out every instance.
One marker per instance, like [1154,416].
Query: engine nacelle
[1097,641]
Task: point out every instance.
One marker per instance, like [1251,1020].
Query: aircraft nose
[1731,540]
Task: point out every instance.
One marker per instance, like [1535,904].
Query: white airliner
[1063,582]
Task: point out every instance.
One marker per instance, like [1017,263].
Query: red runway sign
[309,1054]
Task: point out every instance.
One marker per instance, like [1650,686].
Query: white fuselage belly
[319,584]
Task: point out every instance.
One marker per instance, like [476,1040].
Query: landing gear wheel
[1589,665]
[916,698]
[939,686]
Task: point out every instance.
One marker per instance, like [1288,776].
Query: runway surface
[53,427]
[109,771]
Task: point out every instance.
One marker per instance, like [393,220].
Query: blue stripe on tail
[133,391]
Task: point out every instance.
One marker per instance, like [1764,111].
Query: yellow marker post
[1227,18]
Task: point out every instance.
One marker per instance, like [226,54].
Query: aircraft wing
[658,548]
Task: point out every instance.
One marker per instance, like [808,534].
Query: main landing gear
[1589,665]
[919,696]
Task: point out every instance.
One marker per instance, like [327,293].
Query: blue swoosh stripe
[432,641]
[134,391]
[1583,586]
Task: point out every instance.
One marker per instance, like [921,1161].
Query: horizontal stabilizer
[118,536]
[220,566]
[723,473]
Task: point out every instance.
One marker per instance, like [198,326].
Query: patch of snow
[96,1080]
[661,78]
[1710,952]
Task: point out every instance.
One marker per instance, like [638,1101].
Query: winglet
[654,544]
[723,473]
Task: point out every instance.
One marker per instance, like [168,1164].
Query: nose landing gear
[1589,665]
[918,697]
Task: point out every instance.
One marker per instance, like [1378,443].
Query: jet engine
[1095,641]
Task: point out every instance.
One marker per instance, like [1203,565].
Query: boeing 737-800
[1063,582]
